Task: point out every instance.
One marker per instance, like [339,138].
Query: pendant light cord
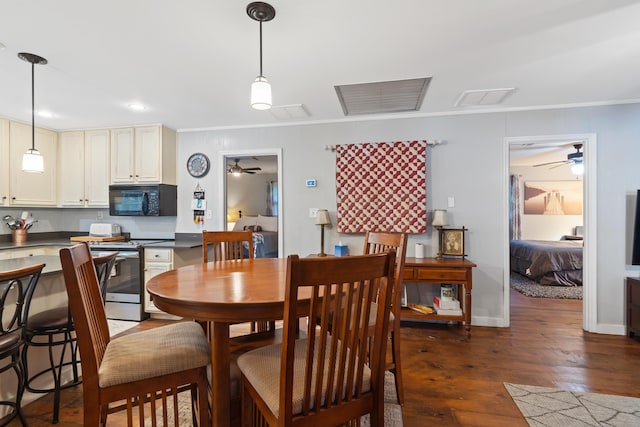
[33,108]
[260,48]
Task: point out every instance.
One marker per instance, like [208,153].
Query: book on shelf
[421,308]
[446,304]
[450,312]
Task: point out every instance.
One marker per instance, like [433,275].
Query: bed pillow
[268,223]
[245,221]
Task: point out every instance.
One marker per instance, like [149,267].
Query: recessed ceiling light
[136,107]
[45,114]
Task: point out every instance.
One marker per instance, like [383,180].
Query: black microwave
[143,200]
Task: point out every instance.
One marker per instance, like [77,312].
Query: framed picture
[452,242]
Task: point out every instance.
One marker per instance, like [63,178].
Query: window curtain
[515,207]
[381,186]
[272,198]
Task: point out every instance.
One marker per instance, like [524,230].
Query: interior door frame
[589,212]
[226,156]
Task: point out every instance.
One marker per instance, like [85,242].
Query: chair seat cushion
[53,319]
[261,367]
[160,351]
[9,341]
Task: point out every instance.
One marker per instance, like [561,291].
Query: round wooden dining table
[223,292]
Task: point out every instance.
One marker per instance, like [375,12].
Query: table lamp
[322,219]
[439,221]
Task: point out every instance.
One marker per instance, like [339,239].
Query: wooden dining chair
[14,284]
[137,368]
[377,242]
[230,245]
[332,376]
[227,245]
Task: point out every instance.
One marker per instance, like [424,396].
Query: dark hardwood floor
[454,381]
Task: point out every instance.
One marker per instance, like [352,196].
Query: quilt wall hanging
[381,186]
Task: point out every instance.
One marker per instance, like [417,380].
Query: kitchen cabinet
[4,162]
[159,260]
[84,168]
[143,155]
[27,188]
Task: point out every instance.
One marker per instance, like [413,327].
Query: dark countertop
[35,243]
[175,244]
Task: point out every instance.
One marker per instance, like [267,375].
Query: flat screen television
[635,257]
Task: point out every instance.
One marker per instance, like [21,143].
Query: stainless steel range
[125,290]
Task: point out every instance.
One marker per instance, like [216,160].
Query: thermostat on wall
[310,183]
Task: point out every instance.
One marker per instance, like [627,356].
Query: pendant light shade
[260,88]
[32,160]
[261,94]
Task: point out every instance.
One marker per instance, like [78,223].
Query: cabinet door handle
[137,176]
[4,197]
[130,176]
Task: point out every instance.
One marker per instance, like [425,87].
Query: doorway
[541,144]
[250,185]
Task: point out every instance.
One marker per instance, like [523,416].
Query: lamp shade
[440,218]
[261,94]
[32,161]
[323,217]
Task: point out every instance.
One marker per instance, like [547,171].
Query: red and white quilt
[381,186]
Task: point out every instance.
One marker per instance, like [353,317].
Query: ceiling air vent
[382,97]
[482,97]
[288,112]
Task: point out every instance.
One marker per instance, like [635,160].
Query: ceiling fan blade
[550,163]
[252,169]
[563,163]
[249,172]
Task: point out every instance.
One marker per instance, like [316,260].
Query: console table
[436,271]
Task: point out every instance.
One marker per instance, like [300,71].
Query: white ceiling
[192,61]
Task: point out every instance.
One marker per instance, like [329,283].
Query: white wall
[248,193]
[468,167]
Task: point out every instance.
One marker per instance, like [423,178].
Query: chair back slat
[227,245]
[345,362]
[87,309]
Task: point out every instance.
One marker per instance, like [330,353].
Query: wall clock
[198,165]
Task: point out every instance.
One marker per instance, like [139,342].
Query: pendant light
[32,160]
[261,89]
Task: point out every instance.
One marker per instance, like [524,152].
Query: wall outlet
[209,214]
[313,212]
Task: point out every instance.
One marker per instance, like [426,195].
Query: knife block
[19,237]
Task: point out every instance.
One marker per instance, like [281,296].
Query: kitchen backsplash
[58,219]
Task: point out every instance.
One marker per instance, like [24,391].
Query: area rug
[531,288]
[550,407]
[392,411]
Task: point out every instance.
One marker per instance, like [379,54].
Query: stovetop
[129,244]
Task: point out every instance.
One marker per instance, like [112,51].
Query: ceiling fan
[237,170]
[571,158]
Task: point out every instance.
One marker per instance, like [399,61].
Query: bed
[265,234]
[548,262]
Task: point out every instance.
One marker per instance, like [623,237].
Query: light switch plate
[313,212]
[451,203]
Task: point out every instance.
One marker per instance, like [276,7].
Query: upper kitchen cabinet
[4,162]
[84,168]
[27,188]
[143,155]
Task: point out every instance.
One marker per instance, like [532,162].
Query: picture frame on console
[452,242]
